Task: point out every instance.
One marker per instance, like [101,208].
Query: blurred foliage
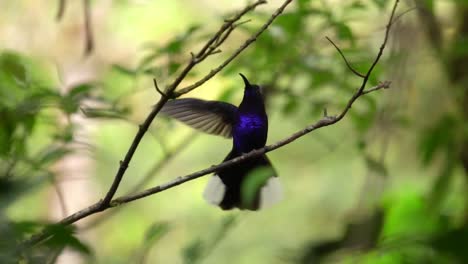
[28,103]
[36,132]
[302,75]
[198,249]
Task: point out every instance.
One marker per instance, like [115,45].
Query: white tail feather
[214,191]
[271,193]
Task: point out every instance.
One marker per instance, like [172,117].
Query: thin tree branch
[61,9]
[371,68]
[228,23]
[249,41]
[228,32]
[381,85]
[60,197]
[89,41]
[404,13]
[345,60]
[156,86]
[55,254]
[428,19]
[325,121]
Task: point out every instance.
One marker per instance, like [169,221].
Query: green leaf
[376,166]
[226,224]
[174,47]
[81,91]
[112,112]
[173,67]
[65,135]
[12,65]
[429,4]
[156,231]
[290,23]
[344,32]
[303,3]
[441,188]
[5,139]
[52,155]
[438,137]
[63,236]
[12,188]
[70,102]
[193,252]
[252,184]
[28,122]
[357,5]
[26,227]
[124,70]
[361,145]
[147,60]
[408,214]
[453,243]
[380,3]
[13,80]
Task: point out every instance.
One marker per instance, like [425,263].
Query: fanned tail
[225,188]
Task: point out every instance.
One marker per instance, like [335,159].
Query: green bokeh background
[333,176]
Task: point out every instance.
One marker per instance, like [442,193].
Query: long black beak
[247,84]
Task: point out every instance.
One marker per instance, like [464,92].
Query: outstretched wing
[212,117]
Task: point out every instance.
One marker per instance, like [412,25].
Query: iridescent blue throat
[251,126]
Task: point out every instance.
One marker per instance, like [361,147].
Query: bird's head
[251,89]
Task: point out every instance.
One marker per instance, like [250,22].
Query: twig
[61,9]
[156,86]
[55,254]
[381,85]
[432,27]
[344,58]
[376,60]
[249,41]
[60,196]
[326,121]
[228,32]
[404,13]
[89,42]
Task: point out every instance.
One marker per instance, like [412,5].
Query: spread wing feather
[212,117]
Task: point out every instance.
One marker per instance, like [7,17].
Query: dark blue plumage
[248,126]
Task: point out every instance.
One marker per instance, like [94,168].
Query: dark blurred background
[388,184]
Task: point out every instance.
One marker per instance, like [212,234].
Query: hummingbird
[247,125]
